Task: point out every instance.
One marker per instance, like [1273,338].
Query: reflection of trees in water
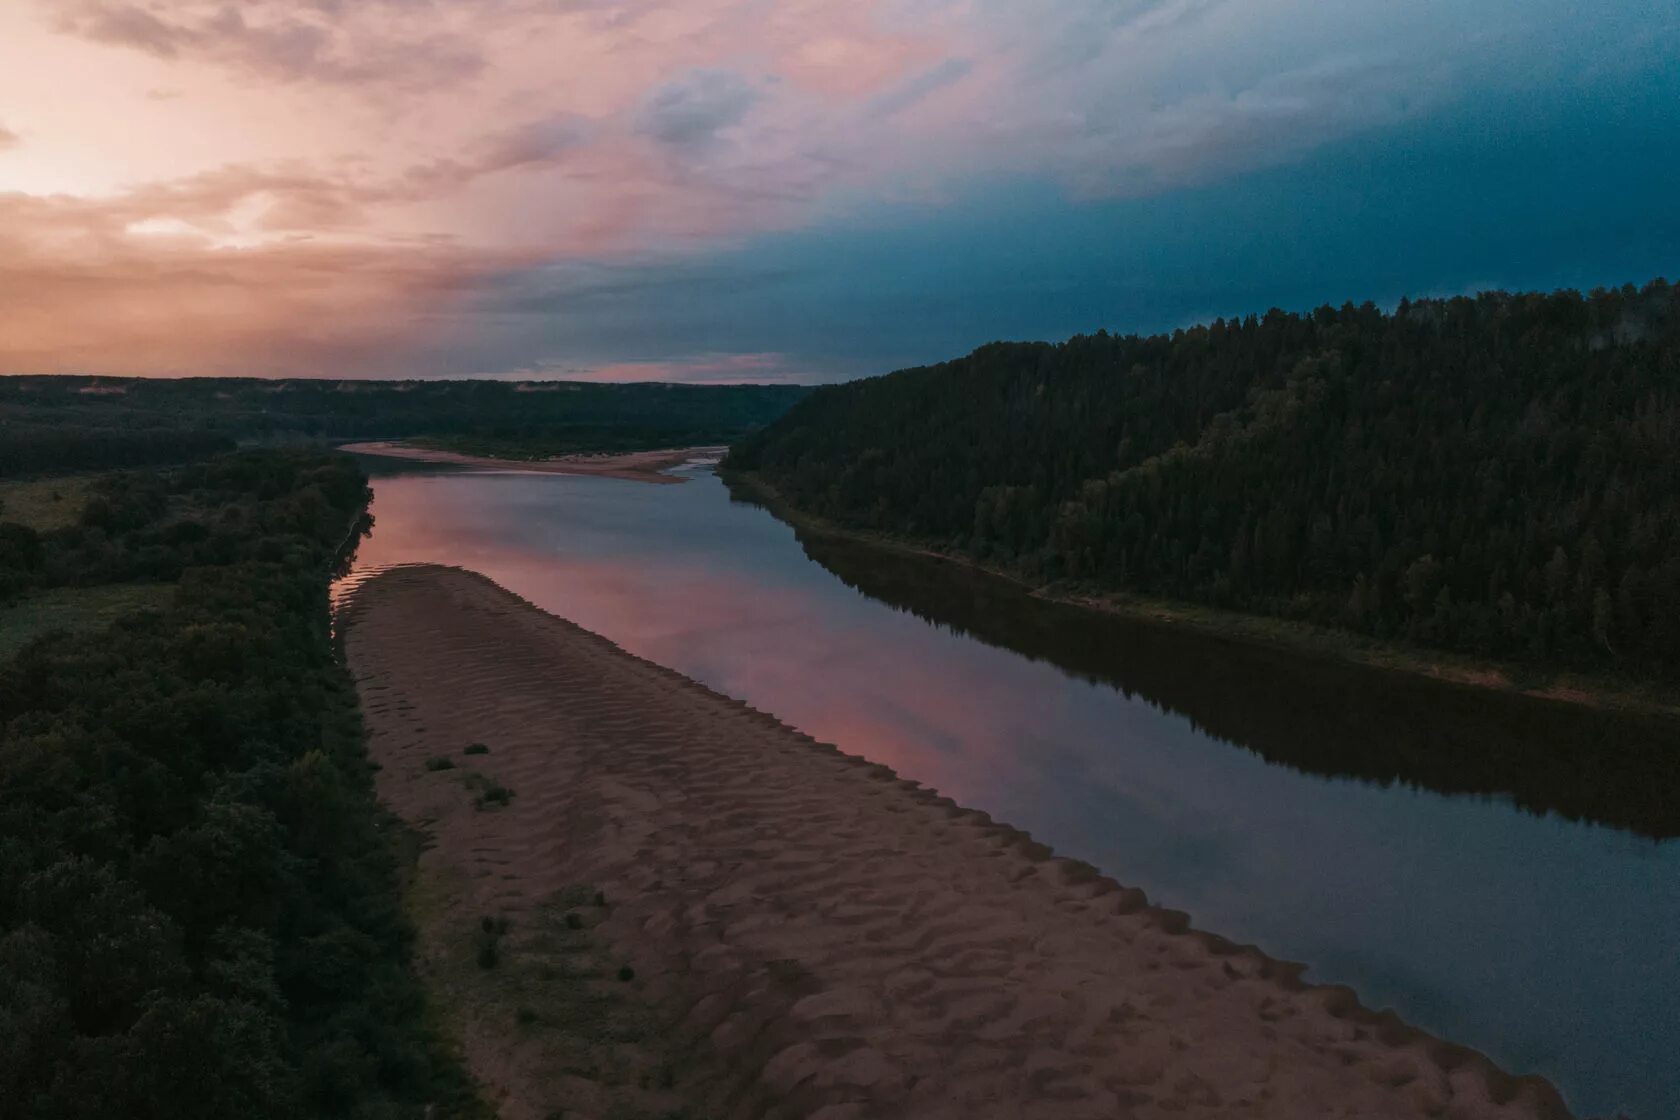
[1314,715]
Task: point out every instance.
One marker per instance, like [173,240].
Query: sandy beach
[757,925]
[633,466]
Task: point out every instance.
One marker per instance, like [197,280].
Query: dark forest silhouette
[199,903]
[1497,475]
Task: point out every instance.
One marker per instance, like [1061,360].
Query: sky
[795,190]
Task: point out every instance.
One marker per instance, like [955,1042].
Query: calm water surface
[1503,873]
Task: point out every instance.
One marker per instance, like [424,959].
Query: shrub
[440,764]
[476,748]
[490,934]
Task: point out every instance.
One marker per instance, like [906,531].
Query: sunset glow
[800,190]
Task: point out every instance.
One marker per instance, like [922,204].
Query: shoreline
[1298,638]
[630,466]
[805,930]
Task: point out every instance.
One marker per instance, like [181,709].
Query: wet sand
[813,936]
[633,466]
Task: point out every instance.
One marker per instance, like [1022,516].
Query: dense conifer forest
[1497,475]
[87,423]
[199,909]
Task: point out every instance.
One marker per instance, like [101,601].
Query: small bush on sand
[495,794]
[789,973]
[626,973]
[440,764]
[490,934]
[476,748]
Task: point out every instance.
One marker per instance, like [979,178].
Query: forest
[89,423]
[199,904]
[1496,475]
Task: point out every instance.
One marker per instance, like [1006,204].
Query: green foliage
[154,525]
[199,913]
[476,748]
[1498,475]
[49,423]
[76,609]
[487,792]
[28,447]
[440,763]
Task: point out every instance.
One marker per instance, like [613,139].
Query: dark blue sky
[1571,184]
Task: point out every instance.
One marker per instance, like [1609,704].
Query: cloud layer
[397,186]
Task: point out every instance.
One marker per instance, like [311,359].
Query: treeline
[89,413]
[515,442]
[36,449]
[199,913]
[155,525]
[1497,475]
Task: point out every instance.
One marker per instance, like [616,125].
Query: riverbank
[1298,638]
[632,466]
[799,930]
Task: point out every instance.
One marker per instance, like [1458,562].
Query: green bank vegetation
[93,423]
[1487,478]
[199,894]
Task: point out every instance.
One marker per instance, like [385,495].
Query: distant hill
[1496,475]
[49,423]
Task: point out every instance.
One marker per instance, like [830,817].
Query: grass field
[76,609]
[45,504]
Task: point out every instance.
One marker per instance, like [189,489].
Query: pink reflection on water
[753,639]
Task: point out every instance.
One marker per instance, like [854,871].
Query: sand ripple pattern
[847,943]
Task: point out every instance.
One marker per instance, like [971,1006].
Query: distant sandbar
[632,466]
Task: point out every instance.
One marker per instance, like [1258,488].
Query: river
[1502,872]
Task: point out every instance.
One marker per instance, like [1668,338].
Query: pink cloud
[328,182]
[273,39]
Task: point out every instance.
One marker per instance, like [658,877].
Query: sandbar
[632,466]
[809,935]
